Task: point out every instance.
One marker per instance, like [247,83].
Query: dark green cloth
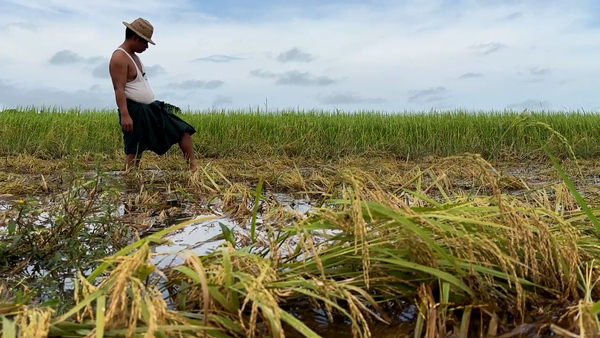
[155,128]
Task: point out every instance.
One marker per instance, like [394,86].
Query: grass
[55,133]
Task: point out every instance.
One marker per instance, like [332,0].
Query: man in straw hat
[147,123]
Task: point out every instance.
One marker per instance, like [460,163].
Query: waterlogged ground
[160,195]
[203,236]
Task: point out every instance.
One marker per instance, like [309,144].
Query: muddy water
[202,237]
[401,325]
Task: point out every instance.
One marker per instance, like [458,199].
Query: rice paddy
[55,133]
[302,224]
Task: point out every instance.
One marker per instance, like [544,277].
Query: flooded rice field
[357,249]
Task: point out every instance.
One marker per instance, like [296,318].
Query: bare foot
[193,166]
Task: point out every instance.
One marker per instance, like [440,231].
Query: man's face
[141,45]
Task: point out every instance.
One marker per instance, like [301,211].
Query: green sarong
[155,128]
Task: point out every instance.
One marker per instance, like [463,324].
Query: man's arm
[118,72]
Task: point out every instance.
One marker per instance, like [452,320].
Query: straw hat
[141,27]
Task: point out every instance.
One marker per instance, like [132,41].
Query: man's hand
[127,123]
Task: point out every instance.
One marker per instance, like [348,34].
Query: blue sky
[351,55]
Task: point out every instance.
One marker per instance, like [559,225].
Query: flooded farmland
[369,249]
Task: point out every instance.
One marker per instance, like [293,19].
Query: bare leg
[131,160]
[188,150]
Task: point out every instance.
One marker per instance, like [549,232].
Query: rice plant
[56,133]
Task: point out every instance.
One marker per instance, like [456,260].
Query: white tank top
[139,89]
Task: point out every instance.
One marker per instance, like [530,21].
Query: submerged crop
[367,255]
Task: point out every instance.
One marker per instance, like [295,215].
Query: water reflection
[201,238]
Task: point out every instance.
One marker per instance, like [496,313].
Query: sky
[384,55]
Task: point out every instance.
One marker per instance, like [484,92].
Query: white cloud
[371,56]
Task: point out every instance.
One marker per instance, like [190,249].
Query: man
[147,123]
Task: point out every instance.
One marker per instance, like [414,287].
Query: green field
[52,133]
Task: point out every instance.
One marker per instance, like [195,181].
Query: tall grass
[311,134]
